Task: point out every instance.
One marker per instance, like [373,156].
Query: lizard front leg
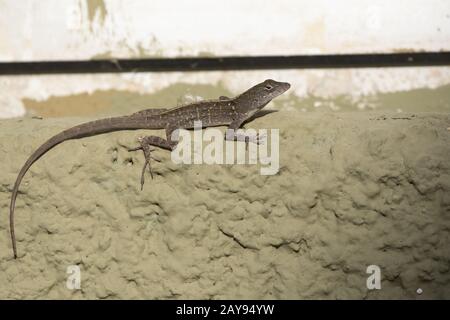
[233,135]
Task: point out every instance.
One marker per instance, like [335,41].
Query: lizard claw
[147,163]
[147,155]
[143,175]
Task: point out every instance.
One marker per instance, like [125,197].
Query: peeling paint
[96,8]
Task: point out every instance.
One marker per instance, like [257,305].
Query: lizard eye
[268,87]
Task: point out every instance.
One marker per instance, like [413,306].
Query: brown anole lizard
[231,112]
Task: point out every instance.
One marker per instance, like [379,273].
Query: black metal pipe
[374,60]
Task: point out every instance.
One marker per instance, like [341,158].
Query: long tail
[80,131]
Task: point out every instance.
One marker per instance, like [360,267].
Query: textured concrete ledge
[354,189]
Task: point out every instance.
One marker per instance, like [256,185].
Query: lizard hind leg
[147,162]
[145,146]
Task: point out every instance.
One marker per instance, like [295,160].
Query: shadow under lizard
[231,112]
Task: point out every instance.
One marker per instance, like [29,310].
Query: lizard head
[260,95]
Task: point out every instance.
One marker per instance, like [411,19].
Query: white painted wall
[82,29]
